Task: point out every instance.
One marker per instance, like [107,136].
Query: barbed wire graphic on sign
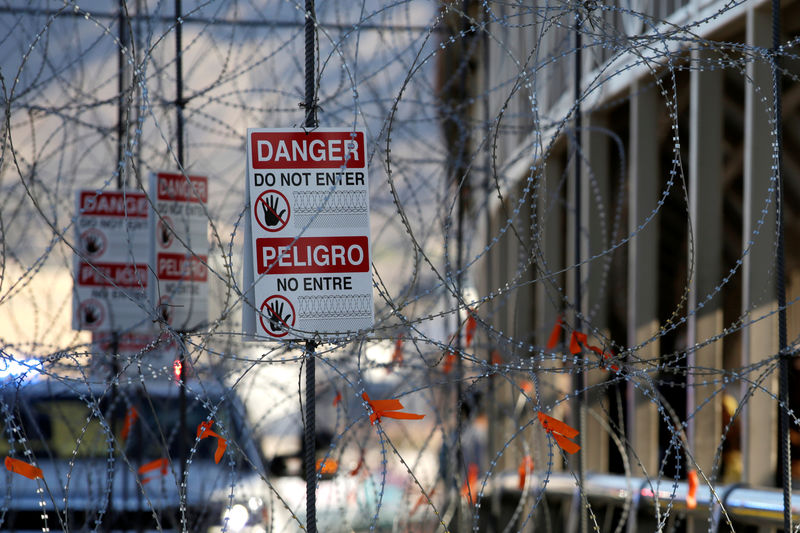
[571,308]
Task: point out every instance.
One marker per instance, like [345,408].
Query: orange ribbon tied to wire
[525,467]
[204,430]
[385,408]
[159,464]
[691,496]
[397,356]
[605,357]
[24,469]
[449,361]
[555,335]
[422,499]
[560,431]
[327,466]
[357,468]
[469,330]
[575,340]
[130,419]
[337,399]
[471,483]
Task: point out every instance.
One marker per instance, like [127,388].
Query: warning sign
[272,210]
[307,257]
[179,229]
[110,261]
[277,315]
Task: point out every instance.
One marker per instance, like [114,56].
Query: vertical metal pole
[121,115]
[784,444]
[491,399]
[462,188]
[179,106]
[136,38]
[309,440]
[311,97]
[579,379]
[121,182]
[310,415]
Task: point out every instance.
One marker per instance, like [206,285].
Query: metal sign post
[308,256]
[307,253]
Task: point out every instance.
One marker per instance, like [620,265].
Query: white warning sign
[110,261]
[307,257]
[179,231]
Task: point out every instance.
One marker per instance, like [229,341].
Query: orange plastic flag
[204,430]
[130,419]
[605,355]
[524,467]
[422,499]
[575,340]
[449,360]
[24,469]
[471,483]
[397,356]
[382,408]
[555,335]
[497,359]
[337,399]
[327,466]
[158,464]
[560,431]
[691,496]
[470,328]
[354,471]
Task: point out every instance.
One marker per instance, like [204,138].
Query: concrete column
[549,237]
[522,270]
[705,214]
[596,219]
[595,229]
[759,340]
[644,192]
[550,231]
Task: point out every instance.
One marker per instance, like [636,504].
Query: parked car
[111,459]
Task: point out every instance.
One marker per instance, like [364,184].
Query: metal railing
[653,500]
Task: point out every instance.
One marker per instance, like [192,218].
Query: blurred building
[651,226]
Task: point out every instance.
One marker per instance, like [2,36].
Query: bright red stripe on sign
[174,267]
[112,275]
[176,188]
[315,149]
[114,204]
[312,255]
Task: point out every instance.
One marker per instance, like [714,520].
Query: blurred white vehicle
[107,469]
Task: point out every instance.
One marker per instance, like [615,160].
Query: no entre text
[317,283]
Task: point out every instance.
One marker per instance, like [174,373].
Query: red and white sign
[179,229]
[307,260]
[296,149]
[312,255]
[112,275]
[113,204]
[110,261]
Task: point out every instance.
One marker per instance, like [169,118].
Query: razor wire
[472,148]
